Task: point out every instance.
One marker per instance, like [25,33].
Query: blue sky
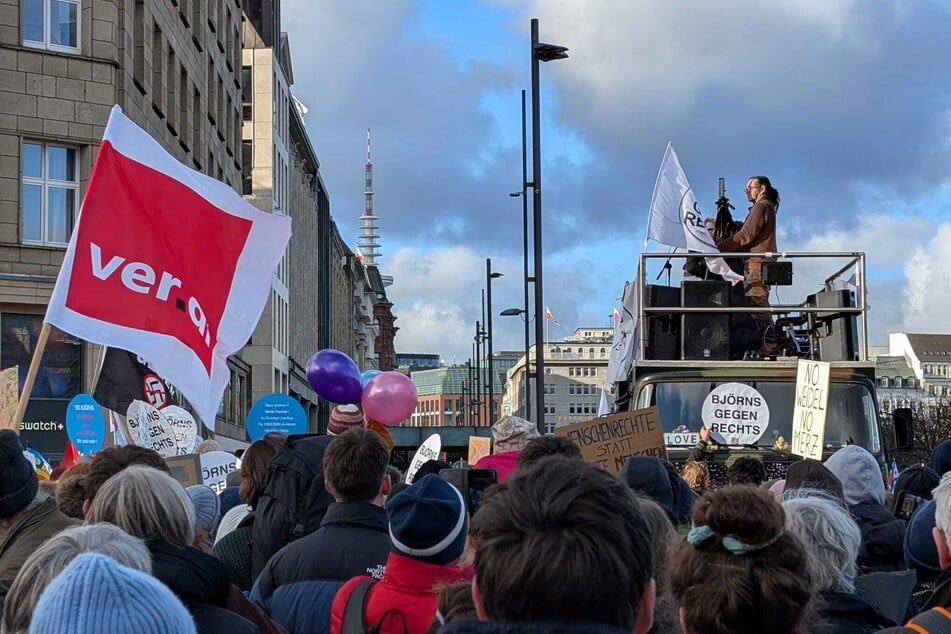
[845,105]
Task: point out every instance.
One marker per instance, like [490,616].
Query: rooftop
[931,348]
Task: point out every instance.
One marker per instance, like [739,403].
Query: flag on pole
[551,317]
[70,456]
[603,407]
[40,464]
[675,218]
[625,347]
[359,255]
[615,315]
[167,263]
[893,476]
[125,377]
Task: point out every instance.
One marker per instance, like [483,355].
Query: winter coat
[201,582]
[883,537]
[298,584]
[758,233]
[29,530]
[403,601]
[851,614]
[647,475]
[234,551]
[536,627]
[504,463]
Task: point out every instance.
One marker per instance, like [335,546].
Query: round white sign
[429,450]
[185,428]
[735,414]
[153,429]
[215,467]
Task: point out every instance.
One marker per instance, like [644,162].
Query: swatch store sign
[58,380]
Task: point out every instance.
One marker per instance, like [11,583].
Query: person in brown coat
[28,517]
[757,235]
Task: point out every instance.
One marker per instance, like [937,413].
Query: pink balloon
[389,398]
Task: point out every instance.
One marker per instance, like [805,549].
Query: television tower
[368,244]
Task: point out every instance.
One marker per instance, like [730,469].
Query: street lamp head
[550,52]
[512,312]
[495,275]
[515,194]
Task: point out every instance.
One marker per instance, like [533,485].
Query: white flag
[675,218]
[603,407]
[626,344]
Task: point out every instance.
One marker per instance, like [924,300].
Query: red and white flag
[615,315]
[167,263]
[551,317]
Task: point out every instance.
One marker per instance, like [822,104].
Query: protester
[431,466]
[150,504]
[52,557]
[683,494]
[70,495]
[207,508]
[941,597]
[28,517]
[344,417]
[697,476]
[917,480]
[562,547]
[298,584]
[544,446]
[230,498]
[454,603]
[234,541]
[511,434]
[812,474]
[832,539]
[739,571]
[111,461]
[940,459]
[921,553]
[427,528]
[883,535]
[95,594]
[662,539]
[647,475]
[746,471]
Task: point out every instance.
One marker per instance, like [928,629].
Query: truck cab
[747,403]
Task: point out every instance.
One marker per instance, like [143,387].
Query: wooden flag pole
[31,376]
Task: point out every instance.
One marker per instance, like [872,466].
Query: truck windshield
[850,419]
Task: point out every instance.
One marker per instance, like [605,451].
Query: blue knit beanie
[96,594]
[941,457]
[428,521]
[921,554]
[207,507]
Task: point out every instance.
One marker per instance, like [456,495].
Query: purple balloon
[389,398]
[334,376]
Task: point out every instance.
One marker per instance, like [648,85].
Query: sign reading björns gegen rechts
[809,412]
[429,450]
[85,424]
[276,413]
[215,467]
[736,414]
[610,440]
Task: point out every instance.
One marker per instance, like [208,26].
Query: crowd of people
[116,544]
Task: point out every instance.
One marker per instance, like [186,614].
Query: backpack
[294,500]
[933,621]
[354,612]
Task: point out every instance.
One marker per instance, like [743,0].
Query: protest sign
[429,450]
[85,424]
[9,396]
[184,427]
[610,440]
[736,414]
[152,429]
[809,412]
[479,448]
[278,413]
[215,467]
[186,469]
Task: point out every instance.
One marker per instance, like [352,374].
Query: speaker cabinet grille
[838,337]
[705,335]
[663,330]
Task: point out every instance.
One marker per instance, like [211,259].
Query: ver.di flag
[675,218]
[166,263]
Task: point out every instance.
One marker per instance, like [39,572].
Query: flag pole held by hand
[31,376]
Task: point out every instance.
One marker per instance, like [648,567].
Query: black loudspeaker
[663,330]
[705,335]
[836,333]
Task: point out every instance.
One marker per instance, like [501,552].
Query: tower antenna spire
[369,245]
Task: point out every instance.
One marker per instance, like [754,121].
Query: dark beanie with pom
[18,481]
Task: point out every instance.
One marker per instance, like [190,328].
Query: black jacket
[851,614]
[883,537]
[200,582]
[298,584]
[538,627]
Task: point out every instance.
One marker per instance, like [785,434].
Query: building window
[247,152]
[49,193]
[247,93]
[898,381]
[52,24]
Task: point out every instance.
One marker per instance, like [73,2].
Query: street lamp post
[541,52]
[524,196]
[489,276]
[513,312]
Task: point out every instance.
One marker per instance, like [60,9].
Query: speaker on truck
[837,334]
[705,335]
[663,329]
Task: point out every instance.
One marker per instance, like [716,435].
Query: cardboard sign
[215,467]
[278,413]
[9,396]
[479,448]
[184,427]
[809,413]
[85,424]
[610,440]
[429,450]
[186,469]
[735,414]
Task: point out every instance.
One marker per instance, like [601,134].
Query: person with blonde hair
[150,504]
[45,564]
